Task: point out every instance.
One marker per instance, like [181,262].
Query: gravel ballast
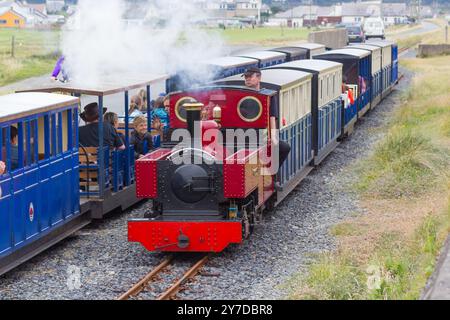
[98,262]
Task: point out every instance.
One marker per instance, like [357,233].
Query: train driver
[253,80]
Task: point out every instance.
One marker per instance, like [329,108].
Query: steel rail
[191,273]
[140,286]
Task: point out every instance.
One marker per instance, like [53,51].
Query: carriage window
[12,147]
[30,143]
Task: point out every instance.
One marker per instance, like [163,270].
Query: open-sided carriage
[107,177]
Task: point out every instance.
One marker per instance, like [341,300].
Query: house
[357,12]
[329,15]
[32,15]
[55,6]
[228,9]
[298,16]
[9,18]
[395,13]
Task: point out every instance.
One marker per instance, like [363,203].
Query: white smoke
[99,43]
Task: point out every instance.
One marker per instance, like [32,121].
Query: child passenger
[141,139]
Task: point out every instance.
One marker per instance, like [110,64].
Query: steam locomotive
[217,197]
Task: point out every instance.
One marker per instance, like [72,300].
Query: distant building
[395,13]
[11,19]
[54,6]
[298,16]
[34,15]
[228,9]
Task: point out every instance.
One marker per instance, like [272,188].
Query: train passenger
[2,167]
[161,113]
[253,80]
[88,134]
[14,148]
[141,139]
[143,96]
[113,119]
[136,107]
[346,90]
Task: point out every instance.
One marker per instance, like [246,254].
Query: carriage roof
[310,45]
[380,43]
[290,50]
[229,62]
[364,47]
[274,79]
[310,65]
[263,55]
[346,52]
[19,105]
[108,86]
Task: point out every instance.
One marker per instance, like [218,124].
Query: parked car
[374,28]
[355,34]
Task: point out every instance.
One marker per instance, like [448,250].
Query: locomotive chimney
[193,112]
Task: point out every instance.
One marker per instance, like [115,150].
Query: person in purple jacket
[59,68]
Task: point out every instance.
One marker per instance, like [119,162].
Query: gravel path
[99,263]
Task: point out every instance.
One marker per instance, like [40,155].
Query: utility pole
[310,13]
[13,46]
[381,9]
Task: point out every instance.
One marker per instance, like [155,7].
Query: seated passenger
[161,112]
[2,168]
[141,139]
[113,119]
[14,148]
[135,109]
[88,134]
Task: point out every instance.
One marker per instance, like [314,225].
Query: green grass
[262,36]
[390,252]
[34,54]
[397,270]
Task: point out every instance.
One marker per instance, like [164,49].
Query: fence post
[446,34]
[13,46]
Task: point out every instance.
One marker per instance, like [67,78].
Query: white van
[374,28]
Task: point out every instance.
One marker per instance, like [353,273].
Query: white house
[54,6]
[295,16]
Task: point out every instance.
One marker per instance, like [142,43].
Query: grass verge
[35,53]
[404,187]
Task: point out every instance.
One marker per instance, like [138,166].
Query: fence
[26,43]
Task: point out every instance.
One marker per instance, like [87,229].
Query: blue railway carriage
[327,105]
[386,64]
[107,177]
[266,58]
[376,71]
[311,48]
[293,89]
[39,191]
[293,53]
[209,70]
[356,75]
[224,67]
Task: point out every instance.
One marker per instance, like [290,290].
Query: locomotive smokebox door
[196,188]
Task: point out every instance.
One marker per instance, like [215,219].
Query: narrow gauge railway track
[173,290]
